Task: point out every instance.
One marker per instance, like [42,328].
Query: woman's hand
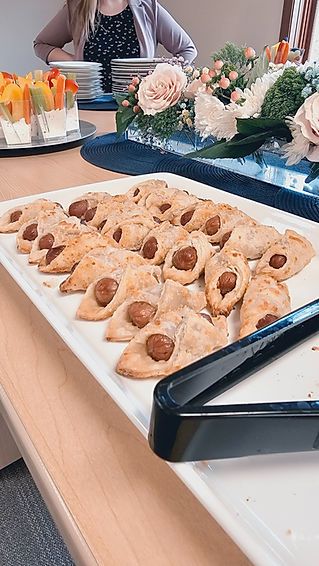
[58,54]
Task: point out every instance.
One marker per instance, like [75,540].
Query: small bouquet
[237,104]
[160,104]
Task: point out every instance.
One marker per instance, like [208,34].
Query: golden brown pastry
[141,308]
[160,240]
[29,232]
[265,301]
[194,217]
[141,190]
[107,293]
[135,313]
[171,343]
[13,219]
[286,257]
[53,233]
[114,206]
[164,203]
[252,240]
[96,263]
[186,261]
[83,206]
[62,258]
[227,276]
[130,232]
[223,220]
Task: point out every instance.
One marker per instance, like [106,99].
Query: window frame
[297,23]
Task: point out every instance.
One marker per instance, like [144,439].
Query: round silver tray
[74,139]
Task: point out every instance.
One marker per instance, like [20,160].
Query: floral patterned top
[114,37]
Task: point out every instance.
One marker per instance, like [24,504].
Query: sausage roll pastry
[139,309]
[286,257]
[108,292]
[111,207]
[84,204]
[13,219]
[120,212]
[223,220]
[29,232]
[170,343]
[140,191]
[160,240]
[252,240]
[186,261]
[132,315]
[265,301]
[131,232]
[195,216]
[97,262]
[227,276]
[62,258]
[165,203]
[56,233]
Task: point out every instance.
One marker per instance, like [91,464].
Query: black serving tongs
[183,429]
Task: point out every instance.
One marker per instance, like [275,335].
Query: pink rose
[307,118]
[193,89]
[161,89]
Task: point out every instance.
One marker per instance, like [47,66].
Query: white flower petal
[313,154]
[298,148]
[213,118]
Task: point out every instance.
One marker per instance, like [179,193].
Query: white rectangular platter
[267,504]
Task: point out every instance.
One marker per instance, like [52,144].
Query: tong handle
[182,429]
[215,374]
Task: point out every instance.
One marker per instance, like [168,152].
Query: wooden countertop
[114,501]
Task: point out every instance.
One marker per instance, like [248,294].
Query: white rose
[307,118]
[161,89]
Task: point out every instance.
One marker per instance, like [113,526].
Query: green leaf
[119,98]
[259,69]
[233,149]
[124,117]
[248,126]
[239,140]
[314,173]
[272,128]
[231,54]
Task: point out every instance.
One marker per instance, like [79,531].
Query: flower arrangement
[39,105]
[237,104]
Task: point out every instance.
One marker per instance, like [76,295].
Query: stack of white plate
[123,70]
[88,77]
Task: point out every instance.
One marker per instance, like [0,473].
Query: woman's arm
[48,44]
[172,36]
[58,54]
